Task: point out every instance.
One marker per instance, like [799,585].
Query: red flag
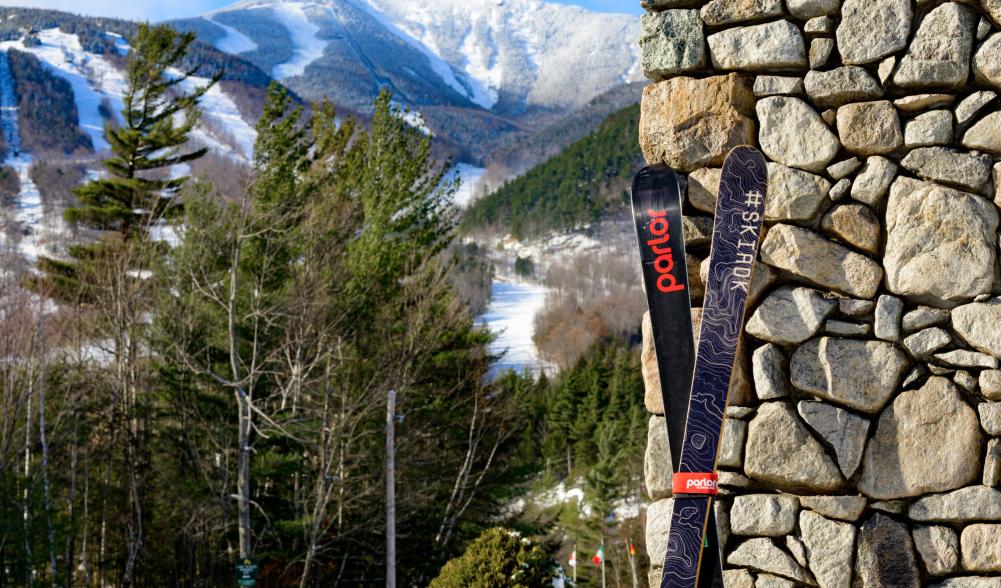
[599,556]
[632,550]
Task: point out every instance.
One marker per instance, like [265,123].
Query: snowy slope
[94,78]
[469,177]
[234,42]
[35,229]
[498,44]
[26,219]
[307,48]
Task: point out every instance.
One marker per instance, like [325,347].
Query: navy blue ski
[736,232]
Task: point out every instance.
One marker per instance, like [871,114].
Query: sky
[155,10]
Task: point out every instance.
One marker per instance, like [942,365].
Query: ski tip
[745,156]
[745,152]
[654,177]
[746,149]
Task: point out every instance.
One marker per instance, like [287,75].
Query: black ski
[659,230]
[657,202]
[736,232]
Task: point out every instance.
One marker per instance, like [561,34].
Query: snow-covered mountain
[509,57]
[482,75]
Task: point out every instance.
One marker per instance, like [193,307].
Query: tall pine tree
[160,109]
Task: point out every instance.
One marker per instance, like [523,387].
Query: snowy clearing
[93,78]
[234,42]
[306,47]
[511,316]
[227,131]
[28,216]
[121,43]
[430,50]
[563,494]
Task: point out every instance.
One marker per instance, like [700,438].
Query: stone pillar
[862,446]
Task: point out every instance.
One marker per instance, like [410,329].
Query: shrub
[499,558]
[524,267]
[10,184]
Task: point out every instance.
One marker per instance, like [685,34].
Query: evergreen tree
[160,109]
[405,202]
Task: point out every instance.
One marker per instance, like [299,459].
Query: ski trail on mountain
[234,42]
[8,107]
[91,77]
[27,210]
[306,47]
[430,52]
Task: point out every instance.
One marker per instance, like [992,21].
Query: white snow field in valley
[511,317]
[470,177]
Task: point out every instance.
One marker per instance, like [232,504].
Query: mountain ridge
[518,64]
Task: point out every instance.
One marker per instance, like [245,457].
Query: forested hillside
[520,153]
[574,188]
[47,112]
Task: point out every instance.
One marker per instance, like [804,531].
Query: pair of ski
[697,382]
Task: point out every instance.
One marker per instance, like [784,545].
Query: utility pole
[603,561]
[391,491]
[575,565]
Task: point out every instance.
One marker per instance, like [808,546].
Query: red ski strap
[689,483]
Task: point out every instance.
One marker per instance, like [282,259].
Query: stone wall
[862,443]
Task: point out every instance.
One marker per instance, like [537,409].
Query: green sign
[246,572]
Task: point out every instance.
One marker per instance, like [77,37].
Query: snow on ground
[470,175]
[415,22]
[556,249]
[226,130]
[511,316]
[562,493]
[234,42]
[482,67]
[91,77]
[121,43]
[306,48]
[167,233]
[430,50]
[28,217]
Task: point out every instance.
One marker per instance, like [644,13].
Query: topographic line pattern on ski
[736,232]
